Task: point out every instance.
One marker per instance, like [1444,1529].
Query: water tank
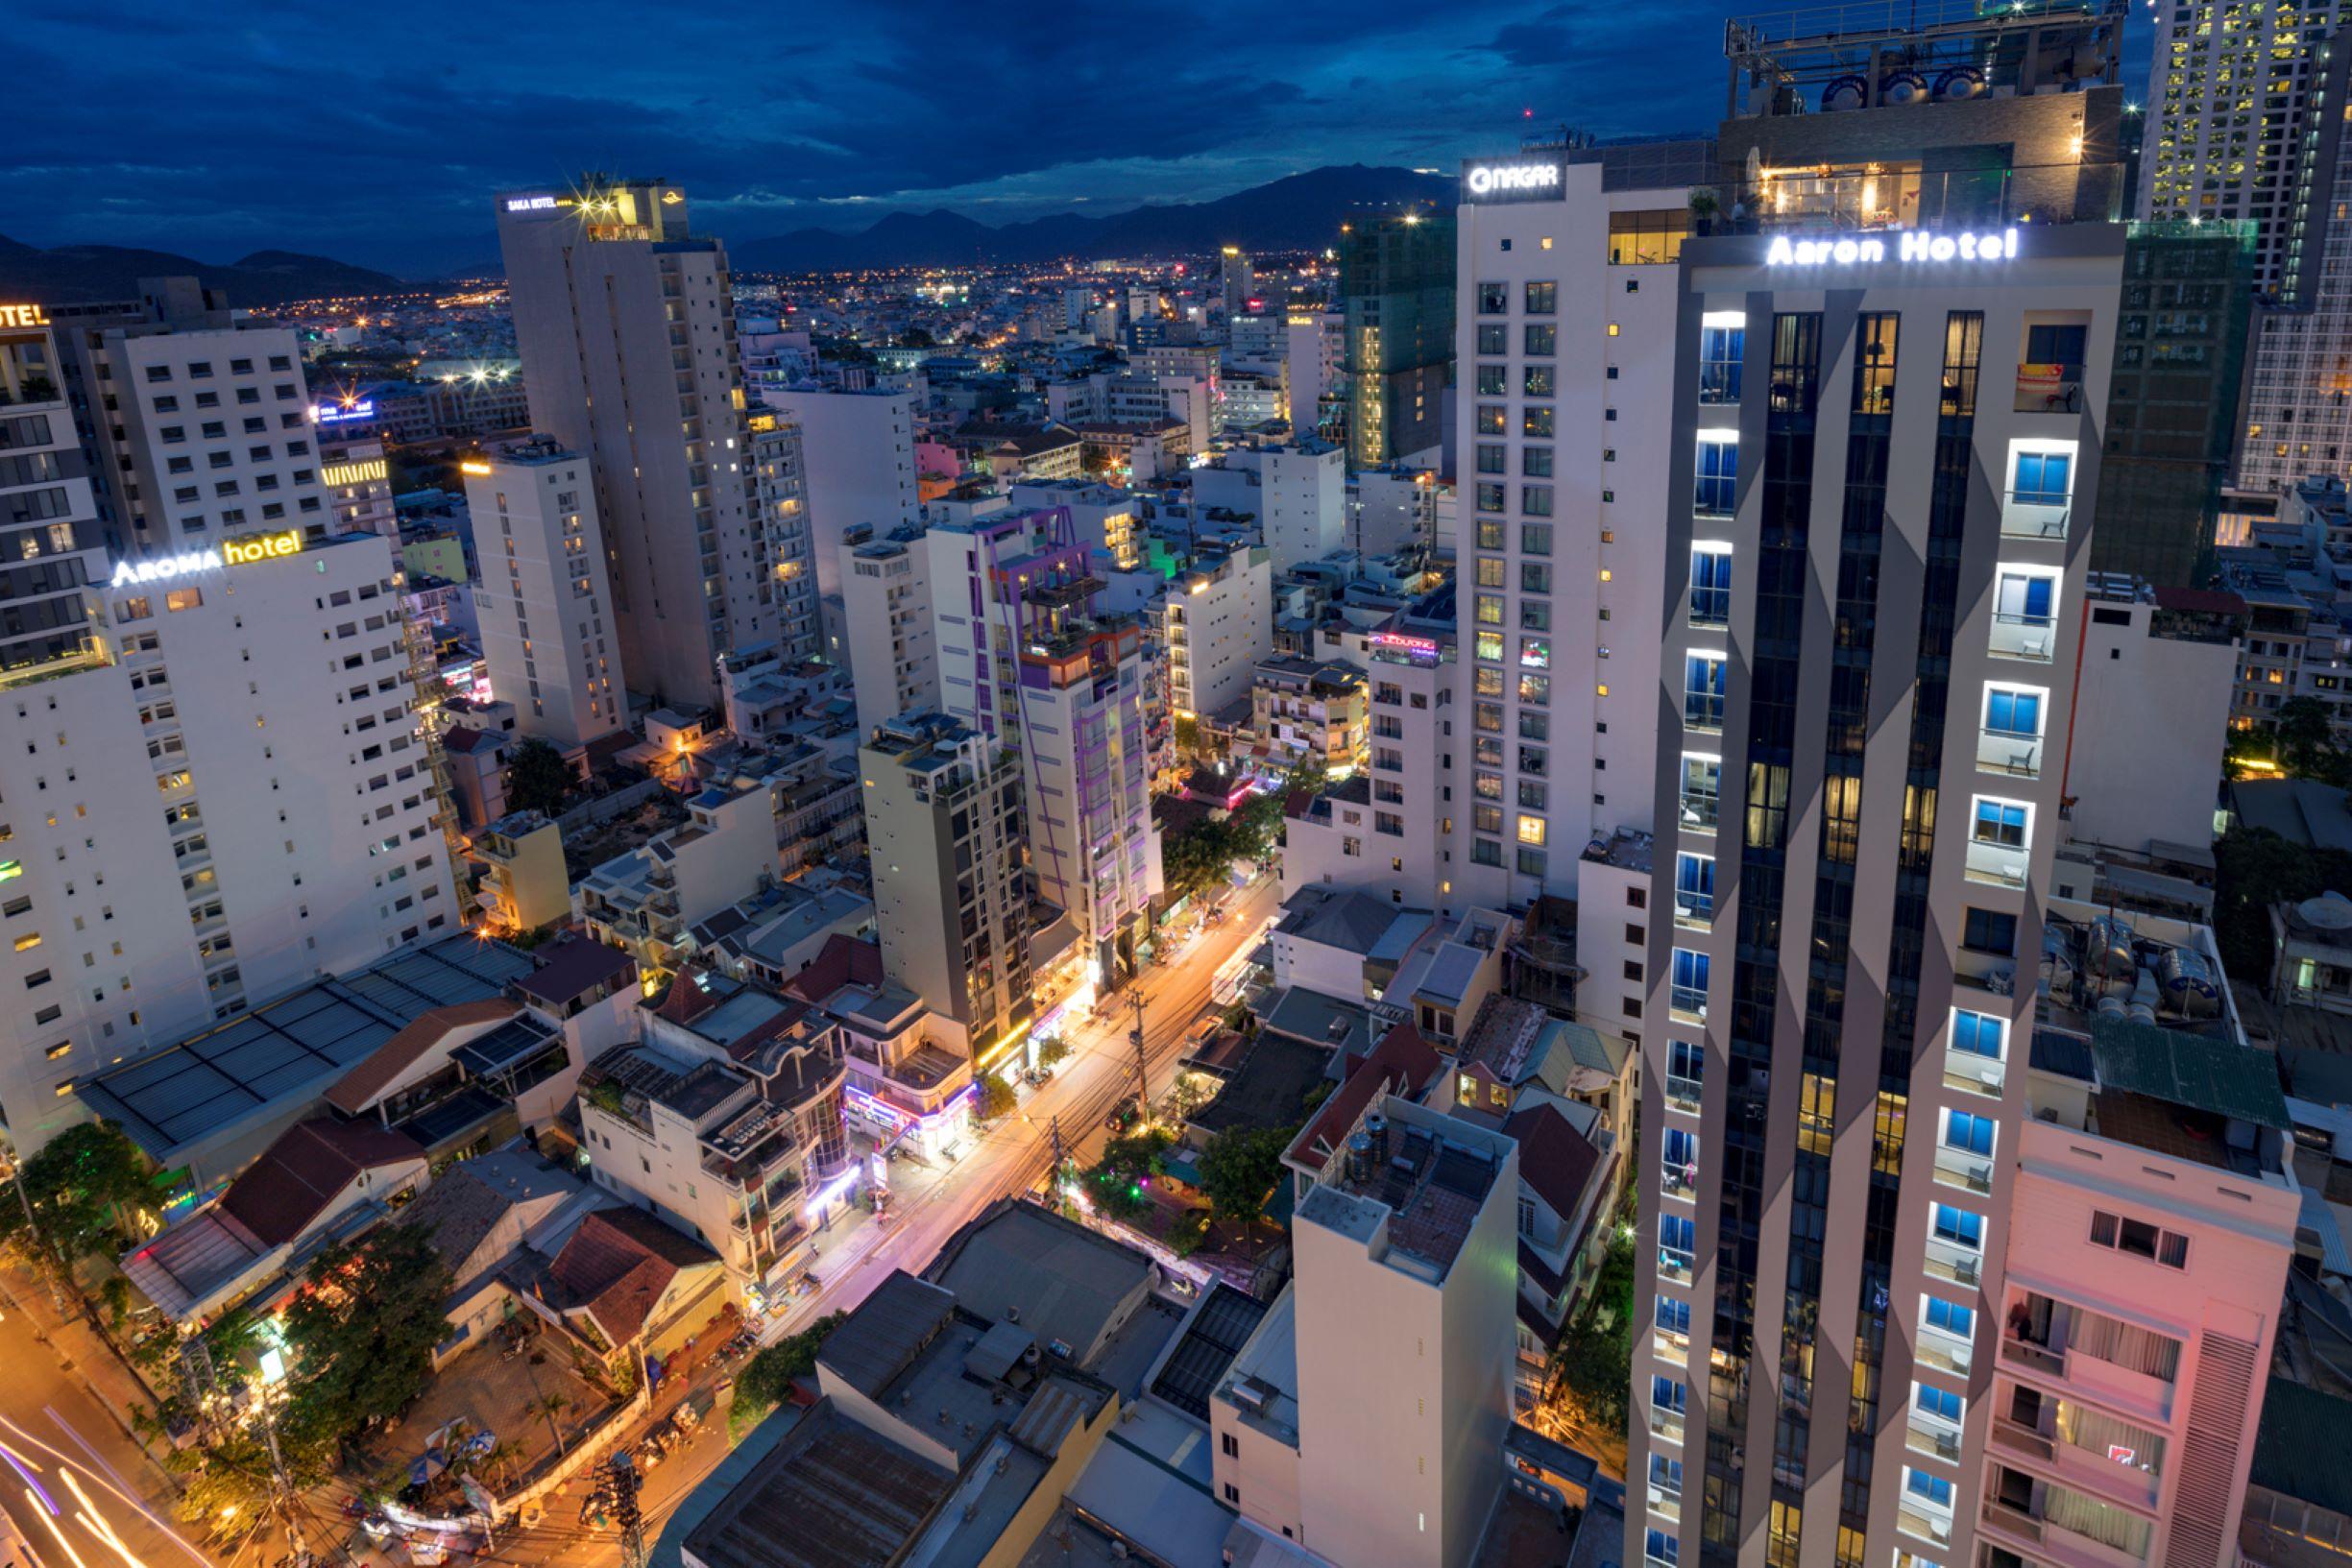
[2058,959]
[1960,84]
[1846,92]
[1902,87]
[2328,912]
[2190,983]
[2111,1008]
[2106,954]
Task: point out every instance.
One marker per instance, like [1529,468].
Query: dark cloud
[378,134]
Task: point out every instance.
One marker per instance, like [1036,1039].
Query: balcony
[1945,1352]
[1969,1073]
[2049,388]
[1969,1173]
[1683,1094]
[2017,1521]
[1666,1505]
[1932,1438]
[1686,1003]
[1925,1525]
[1957,1265]
[1678,1181]
[1719,383]
[2017,1438]
[1699,813]
[1674,1265]
[1694,914]
[2005,750]
[2021,636]
[1666,1426]
[2033,515]
[1997,865]
[1674,1349]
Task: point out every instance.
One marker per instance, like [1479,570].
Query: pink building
[2152,1223]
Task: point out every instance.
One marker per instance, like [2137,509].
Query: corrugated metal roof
[2204,1075]
[2299,1448]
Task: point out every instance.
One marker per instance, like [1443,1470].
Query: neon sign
[248,548]
[530,204]
[242,551]
[23,316]
[363,408]
[1910,245]
[1419,650]
[353,473]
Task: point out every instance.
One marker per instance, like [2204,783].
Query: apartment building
[1565,334]
[887,620]
[1297,493]
[778,469]
[545,595]
[1396,299]
[723,1116]
[1823,703]
[357,476]
[1307,710]
[947,842]
[857,449]
[1216,623]
[646,901]
[626,322]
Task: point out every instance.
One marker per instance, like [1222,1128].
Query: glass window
[1494,381]
[1951,1317]
[1535,462]
[1489,609]
[1691,974]
[1536,690]
[1968,1134]
[1490,419]
[1536,652]
[1942,1403]
[1494,457]
[1711,588]
[1717,474]
[1934,1488]
[1959,1227]
[1722,343]
[1542,298]
[1704,677]
[1492,496]
[1541,339]
[1979,1034]
[2001,822]
[1535,421]
[1535,381]
[1535,577]
[1694,887]
[1493,338]
[1535,538]
[1702,790]
[2042,478]
[1493,299]
[1536,500]
[2013,712]
[1987,930]
[1648,237]
[1487,646]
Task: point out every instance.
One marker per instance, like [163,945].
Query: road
[76,1486]
[1011,1157]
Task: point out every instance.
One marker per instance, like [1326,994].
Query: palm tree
[552,1405]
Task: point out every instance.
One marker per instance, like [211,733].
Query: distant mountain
[1299,213]
[80,273]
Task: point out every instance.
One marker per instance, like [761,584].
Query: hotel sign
[530,204]
[363,408]
[1911,245]
[244,550]
[1519,179]
[23,316]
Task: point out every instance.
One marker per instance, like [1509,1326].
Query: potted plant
[1703,210]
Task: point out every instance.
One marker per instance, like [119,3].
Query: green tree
[916,337]
[363,1334]
[88,1186]
[1053,1050]
[1594,1363]
[1238,1172]
[2303,741]
[1115,1184]
[1188,737]
[2253,870]
[538,779]
[767,1378]
[995,1096]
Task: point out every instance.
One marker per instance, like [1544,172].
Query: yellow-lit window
[1816,1113]
[28,942]
[1531,829]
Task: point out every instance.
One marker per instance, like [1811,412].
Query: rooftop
[1269,1088]
[1023,1261]
[833,1494]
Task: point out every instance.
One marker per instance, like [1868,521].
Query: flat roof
[831,1494]
[288,1051]
[1066,1282]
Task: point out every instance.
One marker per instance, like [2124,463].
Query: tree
[995,1096]
[363,1333]
[538,779]
[1595,1364]
[767,1378]
[916,337]
[87,1186]
[1053,1050]
[2303,738]
[1188,737]
[1116,1183]
[2253,870]
[1238,1172]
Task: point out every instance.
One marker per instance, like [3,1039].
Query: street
[1013,1156]
[78,1488]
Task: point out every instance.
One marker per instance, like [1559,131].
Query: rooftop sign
[1910,245]
[243,551]
[1519,179]
[23,316]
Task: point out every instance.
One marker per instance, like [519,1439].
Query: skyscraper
[1396,291]
[625,323]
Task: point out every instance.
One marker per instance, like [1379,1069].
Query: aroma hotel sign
[244,550]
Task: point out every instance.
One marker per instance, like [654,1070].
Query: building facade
[1396,298]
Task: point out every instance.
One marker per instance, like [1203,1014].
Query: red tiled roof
[685,1000]
[616,1265]
[2205,600]
[1403,1062]
[297,1177]
[843,961]
[356,1089]
[1555,1159]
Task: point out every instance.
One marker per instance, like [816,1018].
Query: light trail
[51,1522]
[19,1465]
[65,1462]
[95,1521]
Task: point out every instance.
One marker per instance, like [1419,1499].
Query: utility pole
[1143,1065]
[625,1515]
[35,1246]
[289,1498]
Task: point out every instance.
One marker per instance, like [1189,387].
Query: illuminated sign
[353,473]
[363,408]
[23,316]
[1910,245]
[248,548]
[241,551]
[530,204]
[1417,650]
[473,464]
[1510,181]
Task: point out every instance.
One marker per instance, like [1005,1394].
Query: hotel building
[626,327]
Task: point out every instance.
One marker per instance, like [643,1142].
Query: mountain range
[80,273]
[1300,211]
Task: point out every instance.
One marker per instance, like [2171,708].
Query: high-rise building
[627,327]
[944,826]
[1566,334]
[1237,281]
[857,449]
[780,490]
[358,481]
[887,620]
[545,599]
[1396,294]
[1217,622]
[1876,542]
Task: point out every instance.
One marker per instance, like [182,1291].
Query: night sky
[376,133]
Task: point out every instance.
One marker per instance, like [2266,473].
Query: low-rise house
[903,1086]
[645,901]
[626,1286]
[477,1214]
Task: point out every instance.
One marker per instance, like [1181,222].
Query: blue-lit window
[1717,488]
[1685,1060]
[1969,1134]
[1941,1403]
[2001,822]
[1934,1488]
[1959,1227]
[1674,1316]
[1704,683]
[1688,993]
[1659,1547]
[2042,478]
[1711,588]
[1951,1317]
[2023,599]
[1679,1160]
[1667,1394]
[1678,1239]
[1694,887]
[2013,712]
[1720,351]
[1979,1034]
